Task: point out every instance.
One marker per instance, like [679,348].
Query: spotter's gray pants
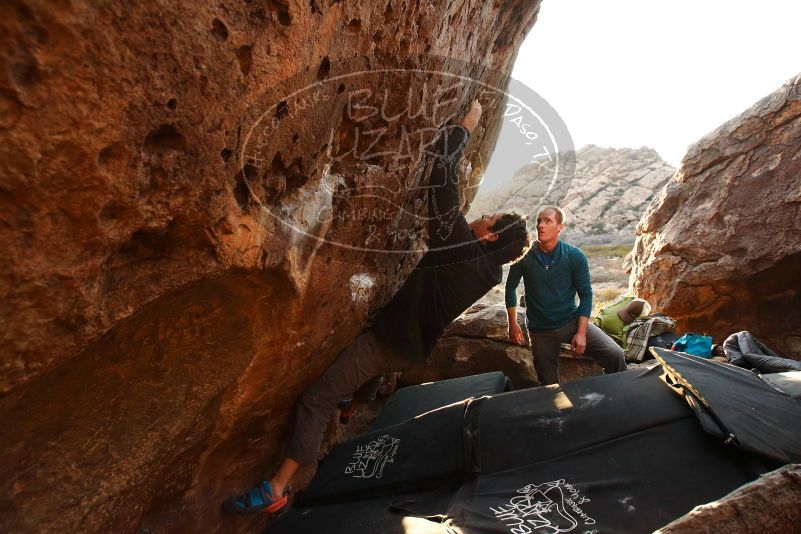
[545,347]
[361,364]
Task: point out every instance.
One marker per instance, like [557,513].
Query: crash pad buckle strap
[470,435]
[672,383]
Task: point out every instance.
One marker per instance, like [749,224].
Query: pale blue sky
[657,73]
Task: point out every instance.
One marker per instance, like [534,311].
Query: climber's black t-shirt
[455,272]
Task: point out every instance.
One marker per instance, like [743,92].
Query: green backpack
[609,321]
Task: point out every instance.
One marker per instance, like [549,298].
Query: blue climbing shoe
[256,500]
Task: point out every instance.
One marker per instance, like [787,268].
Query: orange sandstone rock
[175,271]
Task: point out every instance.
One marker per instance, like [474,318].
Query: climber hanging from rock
[462,264]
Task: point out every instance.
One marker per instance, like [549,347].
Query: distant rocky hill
[603,200]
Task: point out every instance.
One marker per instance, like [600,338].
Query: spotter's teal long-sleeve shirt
[551,292]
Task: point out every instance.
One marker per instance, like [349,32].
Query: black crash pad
[616,453]
[748,412]
[532,425]
[415,455]
[412,401]
[633,484]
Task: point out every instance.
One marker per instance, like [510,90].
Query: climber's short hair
[560,215]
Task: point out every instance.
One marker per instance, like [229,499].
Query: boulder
[719,249]
[181,256]
[477,342]
[769,504]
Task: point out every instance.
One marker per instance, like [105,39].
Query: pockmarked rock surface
[719,249]
[478,342]
[769,504]
[181,254]
[603,200]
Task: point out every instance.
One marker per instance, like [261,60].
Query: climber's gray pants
[545,347]
[363,361]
